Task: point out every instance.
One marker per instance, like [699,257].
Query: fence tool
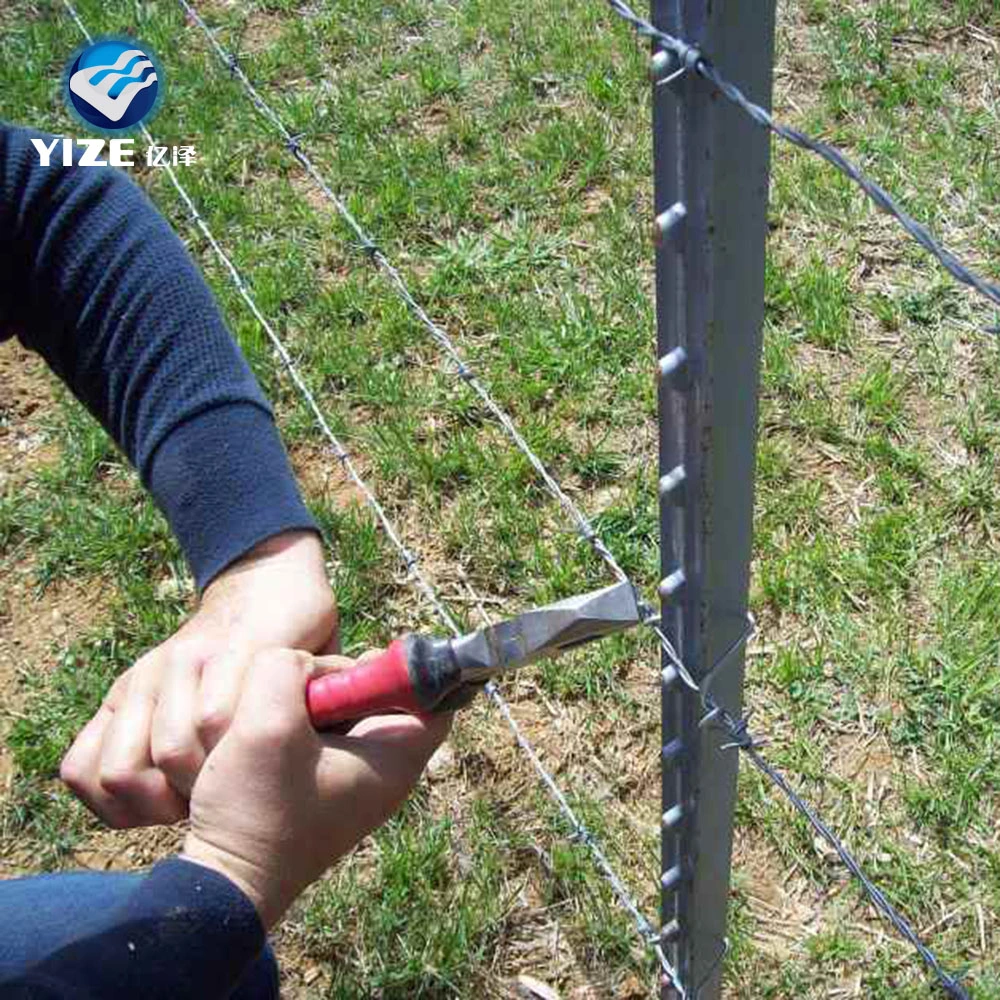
[420,674]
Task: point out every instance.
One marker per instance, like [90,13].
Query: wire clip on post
[667,226]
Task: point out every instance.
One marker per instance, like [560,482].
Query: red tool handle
[379,685]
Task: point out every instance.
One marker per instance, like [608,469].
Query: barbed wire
[579,831]
[747,743]
[391,272]
[688,57]
[691,58]
[736,727]
[583,525]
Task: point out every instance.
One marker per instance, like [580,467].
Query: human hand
[135,762]
[276,803]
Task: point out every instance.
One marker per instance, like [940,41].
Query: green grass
[399,925]
[500,154]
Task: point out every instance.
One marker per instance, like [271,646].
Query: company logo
[113,85]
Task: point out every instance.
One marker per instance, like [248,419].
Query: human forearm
[96,281]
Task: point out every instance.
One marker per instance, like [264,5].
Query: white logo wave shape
[97,95]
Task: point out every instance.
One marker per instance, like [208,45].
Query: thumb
[386,754]
[332,663]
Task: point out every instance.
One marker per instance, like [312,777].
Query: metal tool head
[545,631]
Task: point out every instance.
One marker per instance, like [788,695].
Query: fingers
[137,760]
[127,772]
[415,731]
[334,663]
[374,773]
[83,756]
[110,766]
[79,771]
[174,743]
[221,681]
[114,778]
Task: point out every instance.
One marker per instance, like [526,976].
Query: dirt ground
[25,638]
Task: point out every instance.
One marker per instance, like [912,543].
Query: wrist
[249,878]
[297,547]
[286,570]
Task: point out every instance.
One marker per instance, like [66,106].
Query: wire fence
[736,728]
[688,58]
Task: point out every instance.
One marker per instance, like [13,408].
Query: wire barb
[582,834]
[463,372]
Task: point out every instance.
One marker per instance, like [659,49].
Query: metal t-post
[711,181]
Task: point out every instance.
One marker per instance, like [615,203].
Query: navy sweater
[94,280]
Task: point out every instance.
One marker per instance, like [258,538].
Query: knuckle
[215,661]
[269,733]
[117,690]
[212,722]
[119,781]
[71,773]
[276,659]
[189,652]
[276,730]
[175,758]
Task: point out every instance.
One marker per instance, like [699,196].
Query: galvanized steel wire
[690,58]
[402,291]
[462,370]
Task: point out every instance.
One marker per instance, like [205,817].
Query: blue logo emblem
[113,84]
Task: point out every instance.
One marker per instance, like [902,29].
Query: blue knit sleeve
[95,280]
[181,931]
